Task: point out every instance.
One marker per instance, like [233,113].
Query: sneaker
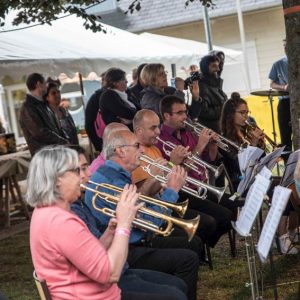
[294,236]
[286,246]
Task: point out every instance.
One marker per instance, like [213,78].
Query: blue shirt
[279,73]
[114,174]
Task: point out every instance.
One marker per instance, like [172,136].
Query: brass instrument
[223,143]
[264,143]
[179,208]
[189,226]
[193,162]
[202,187]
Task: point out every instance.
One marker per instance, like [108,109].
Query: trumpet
[202,187]
[267,139]
[179,208]
[223,143]
[189,226]
[195,161]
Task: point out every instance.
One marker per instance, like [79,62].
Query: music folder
[253,203]
[288,175]
[280,198]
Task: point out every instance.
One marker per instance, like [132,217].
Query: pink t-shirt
[71,260]
[97,162]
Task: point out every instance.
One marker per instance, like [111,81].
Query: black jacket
[208,111]
[91,112]
[39,125]
[113,107]
[151,99]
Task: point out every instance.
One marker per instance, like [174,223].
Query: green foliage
[45,11]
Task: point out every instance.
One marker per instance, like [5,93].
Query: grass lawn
[226,281]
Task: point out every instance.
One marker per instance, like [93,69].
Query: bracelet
[122,231]
[171,164]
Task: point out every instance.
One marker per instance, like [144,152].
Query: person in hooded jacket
[221,57]
[207,110]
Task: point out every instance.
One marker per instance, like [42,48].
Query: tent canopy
[67,47]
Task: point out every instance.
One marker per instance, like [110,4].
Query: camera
[188,81]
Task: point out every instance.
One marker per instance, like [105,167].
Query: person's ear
[120,151]
[166,116]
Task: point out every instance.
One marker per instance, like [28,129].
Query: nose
[141,149]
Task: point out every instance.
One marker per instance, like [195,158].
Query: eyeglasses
[163,73]
[74,170]
[136,145]
[243,112]
[179,113]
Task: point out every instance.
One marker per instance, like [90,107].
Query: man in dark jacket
[38,122]
[208,109]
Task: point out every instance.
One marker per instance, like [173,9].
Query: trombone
[195,161]
[179,208]
[202,187]
[223,143]
[189,226]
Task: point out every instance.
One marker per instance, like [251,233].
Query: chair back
[42,287]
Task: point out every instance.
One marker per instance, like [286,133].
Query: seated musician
[122,153]
[100,160]
[287,231]
[60,241]
[134,283]
[215,219]
[233,121]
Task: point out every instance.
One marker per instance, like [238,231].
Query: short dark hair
[112,76]
[33,79]
[51,83]
[78,149]
[167,102]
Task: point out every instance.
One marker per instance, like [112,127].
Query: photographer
[207,111]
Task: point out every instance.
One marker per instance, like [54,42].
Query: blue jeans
[138,284]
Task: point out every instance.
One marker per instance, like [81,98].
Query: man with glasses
[174,113]
[122,152]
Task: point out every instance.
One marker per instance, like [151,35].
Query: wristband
[122,231]
[170,164]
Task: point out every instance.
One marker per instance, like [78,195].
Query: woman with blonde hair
[154,77]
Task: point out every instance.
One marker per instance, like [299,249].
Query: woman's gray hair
[113,139]
[45,168]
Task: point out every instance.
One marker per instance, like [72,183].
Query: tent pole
[207,28]
[243,44]
[91,156]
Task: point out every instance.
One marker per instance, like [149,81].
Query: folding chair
[42,287]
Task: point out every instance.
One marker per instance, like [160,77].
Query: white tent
[67,47]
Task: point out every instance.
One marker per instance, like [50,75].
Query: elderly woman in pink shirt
[64,253]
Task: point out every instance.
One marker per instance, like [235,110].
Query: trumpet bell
[190,226]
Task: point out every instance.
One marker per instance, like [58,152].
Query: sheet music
[252,205]
[247,160]
[270,159]
[280,198]
[248,154]
[288,175]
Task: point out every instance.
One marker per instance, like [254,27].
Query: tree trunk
[292,27]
